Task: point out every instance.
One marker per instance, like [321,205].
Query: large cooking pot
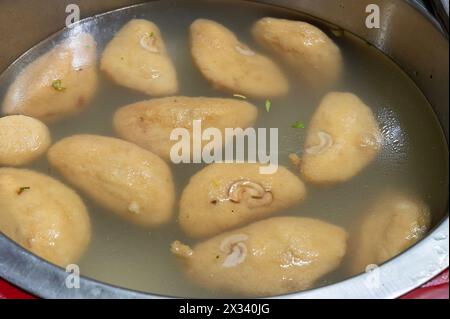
[408,34]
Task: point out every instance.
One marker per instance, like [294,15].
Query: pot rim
[395,277]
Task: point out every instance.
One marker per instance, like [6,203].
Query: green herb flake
[298,124]
[150,34]
[23,189]
[240,96]
[268,105]
[57,85]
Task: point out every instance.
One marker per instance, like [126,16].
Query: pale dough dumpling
[271,257]
[304,47]
[230,65]
[124,178]
[59,84]
[136,58]
[43,215]
[22,140]
[343,138]
[395,222]
[223,196]
[149,124]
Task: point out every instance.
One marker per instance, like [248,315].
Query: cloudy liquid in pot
[413,159]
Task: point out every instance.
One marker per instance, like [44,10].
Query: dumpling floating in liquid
[230,65]
[270,257]
[136,58]
[394,223]
[342,139]
[23,139]
[43,215]
[223,196]
[304,47]
[124,178]
[149,123]
[57,85]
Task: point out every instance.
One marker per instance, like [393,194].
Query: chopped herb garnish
[58,86]
[298,124]
[150,34]
[240,96]
[268,105]
[22,189]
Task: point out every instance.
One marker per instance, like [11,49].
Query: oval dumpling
[342,139]
[57,85]
[270,257]
[43,215]
[394,223]
[124,178]
[136,58]
[304,47]
[22,140]
[149,123]
[223,196]
[230,65]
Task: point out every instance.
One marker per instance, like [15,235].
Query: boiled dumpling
[230,65]
[304,47]
[343,138]
[270,257]
[395,222]
[59,84]
[223,196]
[43,215]
[149,124]
[124,178]
[22,140]
[137,59]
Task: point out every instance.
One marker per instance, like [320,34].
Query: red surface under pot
[437,288]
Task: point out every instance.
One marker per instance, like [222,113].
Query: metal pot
[408,34]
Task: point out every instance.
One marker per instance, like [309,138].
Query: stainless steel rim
[395,277]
